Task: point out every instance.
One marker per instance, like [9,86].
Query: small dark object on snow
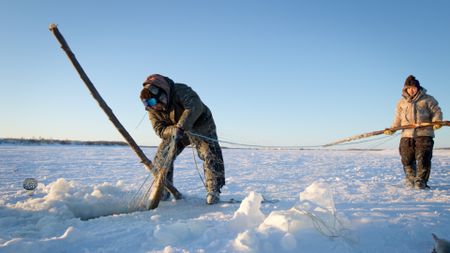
[30,184]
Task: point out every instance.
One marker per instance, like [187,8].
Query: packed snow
[292,201]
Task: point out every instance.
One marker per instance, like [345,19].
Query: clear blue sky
[272,72]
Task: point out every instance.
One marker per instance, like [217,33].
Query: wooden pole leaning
[147,162]
[378,132]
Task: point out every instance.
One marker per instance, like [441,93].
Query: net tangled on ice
[314,216]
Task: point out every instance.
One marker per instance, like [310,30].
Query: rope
[250,145]
[325,229]
[140,122]
[288,147]
[196,166]
[332,231]
[142,195]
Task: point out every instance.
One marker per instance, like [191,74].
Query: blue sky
[272,72]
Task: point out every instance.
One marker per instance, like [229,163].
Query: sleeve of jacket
[397,117]
[193,108]
[161,126]
[435,110]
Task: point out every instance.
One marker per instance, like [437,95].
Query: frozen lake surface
[327,201]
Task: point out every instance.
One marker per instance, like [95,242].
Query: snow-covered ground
[328,201]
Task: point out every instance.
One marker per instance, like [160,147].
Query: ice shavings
[67,199]
[313,221]
[249,214]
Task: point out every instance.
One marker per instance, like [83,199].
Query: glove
[388,131]
[436,127]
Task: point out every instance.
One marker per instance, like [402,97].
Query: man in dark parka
[176,111]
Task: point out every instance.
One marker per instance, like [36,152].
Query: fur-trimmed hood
[159,81]
[421,92]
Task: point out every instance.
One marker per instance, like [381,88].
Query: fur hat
[412,81]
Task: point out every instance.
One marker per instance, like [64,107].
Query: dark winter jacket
[186,110]
[422,108]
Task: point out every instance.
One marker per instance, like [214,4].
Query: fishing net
[207,149]
[142,197]
[317,208]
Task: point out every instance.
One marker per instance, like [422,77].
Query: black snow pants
[416,154]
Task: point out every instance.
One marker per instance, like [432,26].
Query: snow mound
[312,225]
[249,214]
[67,199]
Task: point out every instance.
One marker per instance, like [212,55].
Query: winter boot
[409,182]
[212,197]
[422,178]
[409,175]
[420,185]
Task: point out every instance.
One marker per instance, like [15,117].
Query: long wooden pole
[147,163]
[378,132]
